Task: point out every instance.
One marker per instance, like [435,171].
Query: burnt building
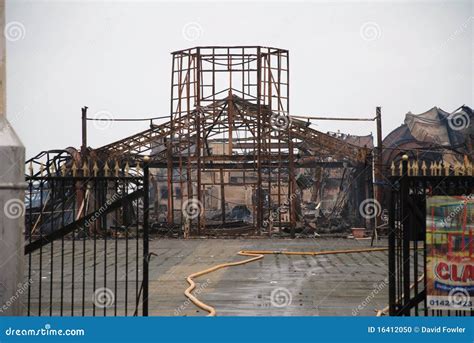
[231,156]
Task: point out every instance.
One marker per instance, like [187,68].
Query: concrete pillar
[12,208]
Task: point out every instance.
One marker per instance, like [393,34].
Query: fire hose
[256,255]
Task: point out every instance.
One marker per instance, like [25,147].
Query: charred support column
[169,165]
[259,143]
[378,189]
[12,201]
[146,213]
[81,186]
[369,191]
[291,189]
[230,118]
[169,182]
[221,176]
[84,132]
[361,195]
[199,138]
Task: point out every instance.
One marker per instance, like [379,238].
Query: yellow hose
[312,253]
[257,255]
[192,285]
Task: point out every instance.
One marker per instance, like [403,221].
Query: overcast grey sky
[345,59]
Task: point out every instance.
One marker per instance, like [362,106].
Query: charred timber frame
[238,96]
[250,74]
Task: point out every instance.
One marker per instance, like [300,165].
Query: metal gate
[411,183]
[86,238]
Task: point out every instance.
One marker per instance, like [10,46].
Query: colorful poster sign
[450,252]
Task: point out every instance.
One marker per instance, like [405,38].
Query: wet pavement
[277,285]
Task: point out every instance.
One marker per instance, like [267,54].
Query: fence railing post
[391,254]
[405,234]
[146,258]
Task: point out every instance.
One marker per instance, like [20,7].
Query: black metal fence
[87,242]
[407,232]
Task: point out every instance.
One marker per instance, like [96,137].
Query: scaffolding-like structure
[233,92]
[203,75]
[231,156]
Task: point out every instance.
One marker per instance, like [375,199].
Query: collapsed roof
[432,135]
[236,113]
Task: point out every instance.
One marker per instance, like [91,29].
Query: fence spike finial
[400,168]
[446,168]
[423,168]
[116,168]
[392,167]
[466,165]
[106,169]
[31,168]
[127,168]
[469,169]
[85,169]
[138,168]
[95,169]
[416,168]
[432,168]
[74,169]
[63,169]
[439,168]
